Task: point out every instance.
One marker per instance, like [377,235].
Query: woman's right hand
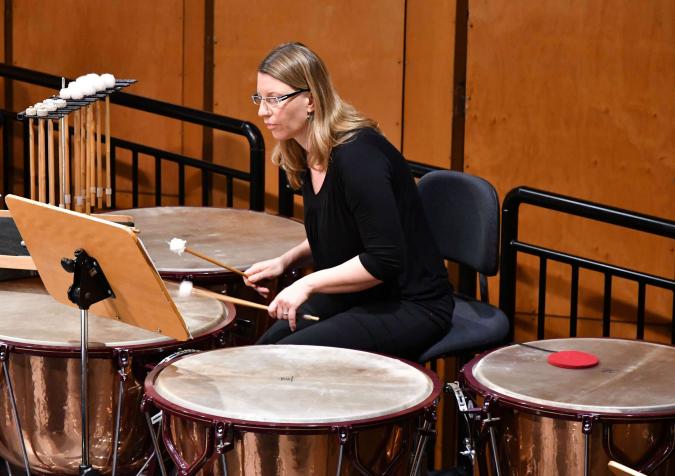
[262,271]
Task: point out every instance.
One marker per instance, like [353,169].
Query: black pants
[398,328]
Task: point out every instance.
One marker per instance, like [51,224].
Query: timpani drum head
[239,238]
[290,384]
[632,377]
[31,316]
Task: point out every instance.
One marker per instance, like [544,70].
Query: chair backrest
[463,212]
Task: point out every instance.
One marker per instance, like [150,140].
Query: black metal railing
[255,176]
[286,193]
[511,246]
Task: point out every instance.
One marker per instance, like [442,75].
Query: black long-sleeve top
[368,206]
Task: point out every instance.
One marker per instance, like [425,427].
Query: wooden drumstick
[77,162]
[178,246]
[186,288]
[51,162]
[108,181]
[42,178]
[90,159]
[66,135]
[621,470]
[62,165]
[83,158]
[31,158]
[99,159]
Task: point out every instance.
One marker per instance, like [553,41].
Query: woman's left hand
[287,302]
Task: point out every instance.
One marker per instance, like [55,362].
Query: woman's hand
[287,302]
[261,271]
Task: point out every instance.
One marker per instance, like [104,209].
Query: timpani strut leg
[123,365]
[488,423]
[145,465]
[495,448]
[4,355]
[224,443]
[587,428]
[8,468]
[343,435]
[425,431]
[153,435]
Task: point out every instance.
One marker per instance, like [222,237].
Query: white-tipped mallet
[186,289]
[179,247]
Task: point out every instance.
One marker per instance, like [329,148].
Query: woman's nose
[264,109]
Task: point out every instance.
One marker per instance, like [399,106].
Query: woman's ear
[310,103]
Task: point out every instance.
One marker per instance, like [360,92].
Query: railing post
[507,266]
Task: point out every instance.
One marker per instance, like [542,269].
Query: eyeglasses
[274,101]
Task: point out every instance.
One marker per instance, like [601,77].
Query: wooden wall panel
[361,43]
[578,99]
[428,98]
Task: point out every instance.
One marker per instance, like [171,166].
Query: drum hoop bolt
[4,352]
[343,433]
[587,422]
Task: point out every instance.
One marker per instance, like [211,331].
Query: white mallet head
[108,80]
[185,289]
[177,246]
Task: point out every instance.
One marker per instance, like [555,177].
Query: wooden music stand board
[141,298]
[112,273]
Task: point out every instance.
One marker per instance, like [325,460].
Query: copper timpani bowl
[39,338]
[282,410]
[626,402]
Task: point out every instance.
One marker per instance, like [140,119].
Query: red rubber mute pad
[572,359]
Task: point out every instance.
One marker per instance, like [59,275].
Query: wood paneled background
[576,98]
[573,98]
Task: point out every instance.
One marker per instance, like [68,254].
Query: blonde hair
[333,121]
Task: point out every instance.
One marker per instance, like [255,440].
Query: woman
[380,284]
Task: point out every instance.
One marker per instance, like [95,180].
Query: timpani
[238,238]
[572,421]
[287,410]
[40,353]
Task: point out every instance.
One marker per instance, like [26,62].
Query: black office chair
[463,212]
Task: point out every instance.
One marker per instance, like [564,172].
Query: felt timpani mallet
[179,247]
[99,85]
[76,94]
[83,158]
[99,159]
[187,289]
[108,177]
[90,159]
[51,164]
[66,138]
[109,82]
[77,162]
[60,103]
[42,166]
[31,113]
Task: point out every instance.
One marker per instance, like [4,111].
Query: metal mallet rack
[88,165]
